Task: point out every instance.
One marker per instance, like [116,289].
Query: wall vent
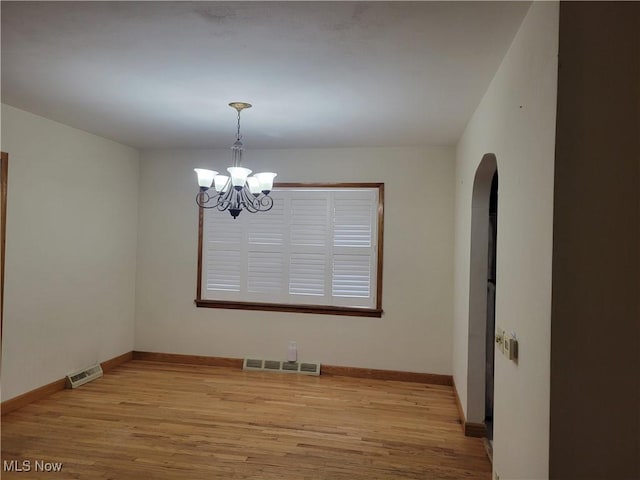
[250,363]
[311,368]
[272,365]
[83,376]
[290,366]
[305,368]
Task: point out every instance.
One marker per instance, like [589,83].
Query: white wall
[70,251]
[414,333]
[516,122]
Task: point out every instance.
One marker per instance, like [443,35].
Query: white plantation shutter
[265,272]
[317,246]
[354,273]
[309,227]
[353,225]
[351,276]
[267,228]
[307,274]
[265,250]
[223,270]
[223,257]
[309,217]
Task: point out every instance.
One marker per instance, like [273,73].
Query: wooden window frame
[304,308]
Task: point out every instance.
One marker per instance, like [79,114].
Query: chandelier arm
[266,203]
[247,200]
[257,203]
[205,200]
[202,199]
[225,200]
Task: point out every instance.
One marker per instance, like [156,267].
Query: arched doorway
[482,289]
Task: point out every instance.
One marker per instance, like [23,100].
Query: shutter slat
[351,276]
[307,274]
[223,270]
[309,221]
[222,228]
[267,228]
[352,222]
[265,272]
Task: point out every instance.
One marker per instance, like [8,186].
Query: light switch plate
[507,348]
[513,348]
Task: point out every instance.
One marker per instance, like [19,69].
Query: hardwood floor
[146,420]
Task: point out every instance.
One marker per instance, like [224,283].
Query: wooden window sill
[283,307]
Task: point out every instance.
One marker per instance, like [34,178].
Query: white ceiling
[319,74]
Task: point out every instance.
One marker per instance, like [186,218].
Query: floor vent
[304,368]
[83,376]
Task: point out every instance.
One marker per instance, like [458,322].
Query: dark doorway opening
[491,306]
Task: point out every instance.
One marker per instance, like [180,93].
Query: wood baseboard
[32,395]
[459,405]
[116,361]
[478,430]
[188,359]
[46,390]
[470,429]
[431,378]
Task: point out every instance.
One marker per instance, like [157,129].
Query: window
[318,250]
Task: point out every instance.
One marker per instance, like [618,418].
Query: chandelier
[237,191]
